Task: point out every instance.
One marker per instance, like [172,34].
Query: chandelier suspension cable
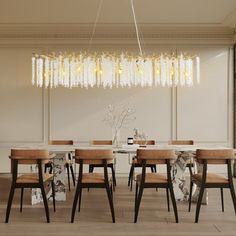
[136,28]
[95,23]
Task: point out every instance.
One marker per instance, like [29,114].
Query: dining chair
[110,165]
[31,180]
[136,164]
[68,162]
[154,180]
[102,157]
[205,179]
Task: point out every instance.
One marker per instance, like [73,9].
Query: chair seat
[152,178]
[94,178]
[33,178]
[211,178]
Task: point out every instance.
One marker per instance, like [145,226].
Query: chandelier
[107,70]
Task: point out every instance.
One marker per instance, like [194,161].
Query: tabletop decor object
[118,117]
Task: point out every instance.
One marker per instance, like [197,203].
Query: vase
[116,137]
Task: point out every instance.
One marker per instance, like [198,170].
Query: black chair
[136,164]
[210,180]
[110,165]
[154,180]
[93,180]
[32,180]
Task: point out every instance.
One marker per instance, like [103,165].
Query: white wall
[31,115]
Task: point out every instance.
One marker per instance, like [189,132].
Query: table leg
[181,188]
[59,176]
[59,181]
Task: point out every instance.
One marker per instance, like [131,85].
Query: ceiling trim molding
[113,34]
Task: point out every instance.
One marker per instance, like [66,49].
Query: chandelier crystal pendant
[107,70]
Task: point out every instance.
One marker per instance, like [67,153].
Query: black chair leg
[11,195]
[233,195]
[190,196]
[46,166]
[53,195]
[136,197]
[50,171]
[172,195]
[109,195]
[21,199]
[80,198]
[45,202]
[111,190]
[139,197]
[131,183]
[168,199]
[113,175]
[155,168]
[131,176]
[199,203]
[75,203]
[72,174]
[68,175]
[131,172]
[91,168]
[222,199]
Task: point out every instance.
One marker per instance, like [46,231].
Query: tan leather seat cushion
[152,178]
[94,178]
[33,178]
[211,178]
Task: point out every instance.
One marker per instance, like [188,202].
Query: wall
[30,115]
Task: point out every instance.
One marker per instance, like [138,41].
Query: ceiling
[174,12]
[71,22]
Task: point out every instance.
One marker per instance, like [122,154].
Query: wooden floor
[95,218]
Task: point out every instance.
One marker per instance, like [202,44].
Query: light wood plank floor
[95,218]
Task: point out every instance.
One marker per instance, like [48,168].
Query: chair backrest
[214,156]
[101,142]
[145,142]
[181,142]
[156,156]
[94,156]
[30,156]
[60,142]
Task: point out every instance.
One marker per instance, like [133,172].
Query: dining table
[184,153]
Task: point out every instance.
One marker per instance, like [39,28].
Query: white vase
[116,137]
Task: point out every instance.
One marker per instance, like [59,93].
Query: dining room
[117,117]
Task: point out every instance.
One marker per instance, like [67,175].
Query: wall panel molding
[43,125]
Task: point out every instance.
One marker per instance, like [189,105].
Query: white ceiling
[191,12]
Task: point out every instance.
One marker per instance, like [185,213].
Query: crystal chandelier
[107,70]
